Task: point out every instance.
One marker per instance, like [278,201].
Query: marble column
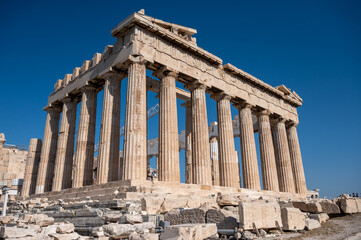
[84,154]
[283,160]
[248,148]
[268,159]
[135,137]
[48,151]
[65,150]
[201,169]
[213,145]
[168,169]
[188,141]
[31,168]
[296,159]
[108,160]
[228,170]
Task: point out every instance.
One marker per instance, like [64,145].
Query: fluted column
[213,145]
[268,159]
[135,137]
[168,169]
[65,150]
[48,151]
[283,160]
[84,154]
[188,141]
[31,168]
[202,170]
[108,162]
[248,148]
[296,160]
[228,170]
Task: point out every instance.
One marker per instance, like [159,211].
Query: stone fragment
[149,236]
[321,217]
[293,219]
[263,214]
[123,230]
[329,207]
[14,232]
[49,229]
[152,204]
[190,231]
[69,236]
[223,218]
[6,219]
[118,230]
[312,224]
[43,220]
[229,199]
[348,205]
[311,207]
[185,216]
[65,228]
[111,217]
[132,218]
[134,236]
[36,228]
[143,227]
[173,202]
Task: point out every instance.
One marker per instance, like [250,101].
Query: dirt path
[346,227]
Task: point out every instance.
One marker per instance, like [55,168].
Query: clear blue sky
[313,47]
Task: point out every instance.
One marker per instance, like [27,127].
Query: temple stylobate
[171,53]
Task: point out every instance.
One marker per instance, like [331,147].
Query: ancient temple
[170,51]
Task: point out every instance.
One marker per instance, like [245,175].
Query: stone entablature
[139,36]
[169,50]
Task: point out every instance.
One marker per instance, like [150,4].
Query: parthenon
[171,53]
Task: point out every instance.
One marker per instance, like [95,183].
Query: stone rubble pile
[161,218]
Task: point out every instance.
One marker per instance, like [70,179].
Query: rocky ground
[153,219]
[337,228]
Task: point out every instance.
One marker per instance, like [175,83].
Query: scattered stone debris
[150,219]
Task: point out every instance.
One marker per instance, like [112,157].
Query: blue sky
[313,47]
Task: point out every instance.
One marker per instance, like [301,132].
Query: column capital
[68,99]
[261,112]
[88,88]
[242,105]
[137,59]
[198,84]
[114,75]
[291,123]
[165,71]
[53,109]
[220,96]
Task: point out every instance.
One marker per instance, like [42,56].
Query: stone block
[320,217]
[116,230]
[312,224]
[293,219]
[329,207]
[185,216]
[223,218]
[43,220]
[173,202]
[14,232]
[111,217]
[263,214]
[348,205]
[133,218]
[152,204]
[69,236]
[190,231]
[65,228]
[6,219]
[311,207]
[229,199]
